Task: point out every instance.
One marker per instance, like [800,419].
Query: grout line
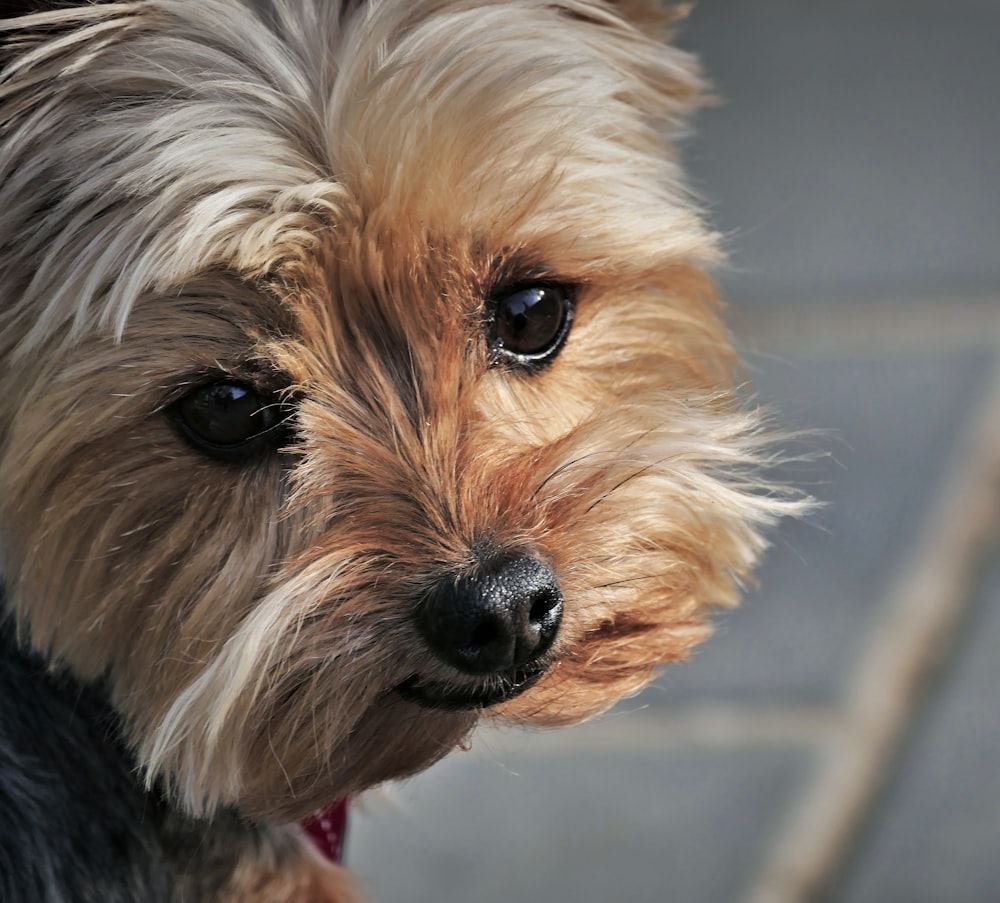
[919,616]
[700,726]
[938,323]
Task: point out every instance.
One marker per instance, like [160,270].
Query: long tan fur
[317,197]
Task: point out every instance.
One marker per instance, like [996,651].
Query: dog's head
[359,377]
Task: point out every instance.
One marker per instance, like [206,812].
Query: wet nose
[501,617]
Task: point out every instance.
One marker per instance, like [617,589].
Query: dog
[361,379]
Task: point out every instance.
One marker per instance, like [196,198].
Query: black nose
[503,616]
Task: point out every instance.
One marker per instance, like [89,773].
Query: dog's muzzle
[495,624]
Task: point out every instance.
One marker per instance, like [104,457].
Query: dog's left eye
[529,326]
[230,420]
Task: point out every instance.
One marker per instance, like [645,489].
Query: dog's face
[360,378]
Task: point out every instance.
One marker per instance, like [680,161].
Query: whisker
[604,496]
[622,582]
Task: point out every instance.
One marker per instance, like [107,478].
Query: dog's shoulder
[71,814]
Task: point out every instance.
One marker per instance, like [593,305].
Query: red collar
[328,829]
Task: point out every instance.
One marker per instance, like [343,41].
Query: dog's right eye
[529,326]
[230,420]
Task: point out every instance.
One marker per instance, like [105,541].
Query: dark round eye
[530,325]
[230,420]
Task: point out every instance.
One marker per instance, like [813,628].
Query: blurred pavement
[838,740]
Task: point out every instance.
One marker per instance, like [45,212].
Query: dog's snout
[502,617]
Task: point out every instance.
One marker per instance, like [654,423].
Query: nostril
[502,616]
[485,633]
[543,607]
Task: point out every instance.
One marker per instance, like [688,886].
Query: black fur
[76,824]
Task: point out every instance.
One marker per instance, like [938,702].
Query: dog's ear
[638,29]
[651,15]
[14,38]
[11,9]
[655,17]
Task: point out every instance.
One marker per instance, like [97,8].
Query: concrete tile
[682,825]
[855,151]
[894,418]
[937,835]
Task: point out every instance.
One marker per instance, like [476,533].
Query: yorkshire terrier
[360,379]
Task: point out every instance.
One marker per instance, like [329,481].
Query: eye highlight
[529,326]
[230,420]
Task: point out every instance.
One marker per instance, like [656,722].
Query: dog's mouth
[446,698]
